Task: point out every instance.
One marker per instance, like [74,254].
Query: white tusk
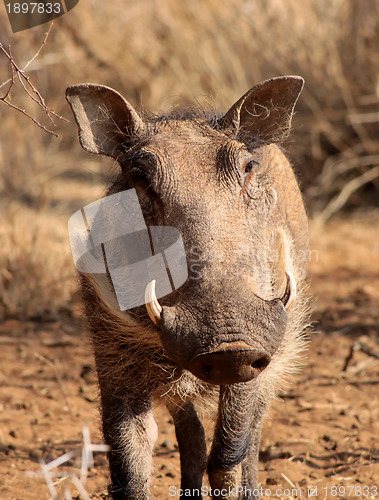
[274,196]
[282,246]
[153,307]
[288,298]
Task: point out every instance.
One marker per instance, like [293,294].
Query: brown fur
[242,231]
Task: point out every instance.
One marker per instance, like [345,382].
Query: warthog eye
[250,166]
[139,165]
[139,173]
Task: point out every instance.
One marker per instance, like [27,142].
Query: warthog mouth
[154,309]
[229,363]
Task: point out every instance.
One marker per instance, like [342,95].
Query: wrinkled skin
[224,183]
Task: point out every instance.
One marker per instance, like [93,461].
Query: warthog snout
[229,364]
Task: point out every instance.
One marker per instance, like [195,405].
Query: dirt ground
[320,440]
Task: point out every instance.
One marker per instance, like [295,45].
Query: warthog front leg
[233,461]
[130,431]
[193,451]
[250,464]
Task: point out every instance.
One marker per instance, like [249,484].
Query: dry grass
[36,272]
[154,51]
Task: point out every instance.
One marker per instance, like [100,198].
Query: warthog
[234,330]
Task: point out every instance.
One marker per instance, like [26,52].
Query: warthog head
[224,183]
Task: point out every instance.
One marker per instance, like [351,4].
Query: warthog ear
[266,110]
[106,121]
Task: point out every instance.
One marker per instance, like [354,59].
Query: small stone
[271,481]
[35,455]
[166,444]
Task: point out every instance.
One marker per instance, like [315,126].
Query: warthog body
[233,331]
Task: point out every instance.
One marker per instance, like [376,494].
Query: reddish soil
[322,434]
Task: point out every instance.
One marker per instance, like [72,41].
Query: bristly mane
[203,117]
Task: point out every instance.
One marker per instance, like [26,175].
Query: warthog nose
[229,365]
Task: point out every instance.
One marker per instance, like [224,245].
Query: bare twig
[79,483]
[354,347]
[24,112]
[35,55]
[288,480]
[28,87]
[339,201]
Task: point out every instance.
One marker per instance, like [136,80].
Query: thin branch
[40,101]
[28,87]
[24,112]
[39,50]
[35,55]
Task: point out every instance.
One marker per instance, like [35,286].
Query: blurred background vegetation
[159,53]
